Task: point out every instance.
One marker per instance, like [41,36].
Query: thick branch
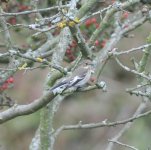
[20,110]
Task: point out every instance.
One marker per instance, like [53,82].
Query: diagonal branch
[124,145]
[20,110]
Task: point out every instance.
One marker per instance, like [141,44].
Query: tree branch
[99,124]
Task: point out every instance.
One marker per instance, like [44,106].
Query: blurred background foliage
[93,106]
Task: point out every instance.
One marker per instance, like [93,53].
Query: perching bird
[77,79]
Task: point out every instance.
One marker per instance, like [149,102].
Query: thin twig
[122,144]
[99,124]
[131,50]
[132,71]
[32,11]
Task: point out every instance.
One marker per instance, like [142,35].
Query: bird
[78,79]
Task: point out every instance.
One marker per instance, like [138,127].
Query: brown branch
[20,110]
[99,124]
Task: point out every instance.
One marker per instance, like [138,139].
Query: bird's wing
[60,84]
[76,80]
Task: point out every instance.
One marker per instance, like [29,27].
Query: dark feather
[78,79]
[60,84]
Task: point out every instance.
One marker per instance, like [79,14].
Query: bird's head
[87,62]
